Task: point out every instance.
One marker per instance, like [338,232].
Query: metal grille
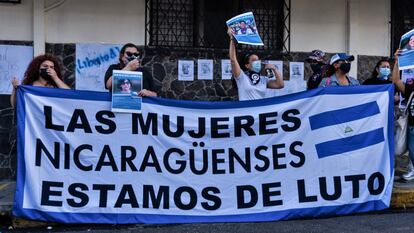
[402,20]
[201,23]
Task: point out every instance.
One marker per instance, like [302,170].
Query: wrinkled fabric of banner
[316,153]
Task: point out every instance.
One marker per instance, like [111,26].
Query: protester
[406,90]
[381,73]
[129,59]
[43,71]
[250,83]
[340,65]
[319,67]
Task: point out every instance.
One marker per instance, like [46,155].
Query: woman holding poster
[43,71]
[251,84]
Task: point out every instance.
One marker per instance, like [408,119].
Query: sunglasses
[125,83]
[129,54]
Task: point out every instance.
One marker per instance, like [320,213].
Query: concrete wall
[322,24]
[76,21]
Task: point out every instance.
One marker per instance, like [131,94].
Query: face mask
[384,73]
[345,67]
[256,66]
[43,73]
[316,68]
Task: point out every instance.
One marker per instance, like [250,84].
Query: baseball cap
[341,56]
[317,55]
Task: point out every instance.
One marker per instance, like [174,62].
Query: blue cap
[341,56]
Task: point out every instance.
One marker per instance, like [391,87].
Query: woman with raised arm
[251,84]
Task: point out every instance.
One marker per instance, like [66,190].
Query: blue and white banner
[316,153]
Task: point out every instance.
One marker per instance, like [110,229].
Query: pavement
[402,197]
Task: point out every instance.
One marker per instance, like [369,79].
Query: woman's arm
[15,83]
[235,67]
[59,83]
[277,83]
[396,74]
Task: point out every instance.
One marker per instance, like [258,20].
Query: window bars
[202,23]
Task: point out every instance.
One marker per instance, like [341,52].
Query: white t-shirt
[249,91]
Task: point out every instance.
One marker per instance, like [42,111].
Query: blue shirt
[333,81]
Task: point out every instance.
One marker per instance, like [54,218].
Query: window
[202,23]
[402,20]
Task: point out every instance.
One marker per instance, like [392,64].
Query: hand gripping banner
[316,153]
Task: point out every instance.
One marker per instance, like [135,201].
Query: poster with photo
[279,68]
[245,29]
[92,61]
[407,76]
[14,60]
[185,70]
[296,70]
[125,88]
[205,69]
[406,58]
[226,69]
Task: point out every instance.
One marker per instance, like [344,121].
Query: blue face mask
[256,66]
[384,73]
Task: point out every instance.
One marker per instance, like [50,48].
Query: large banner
[316,153]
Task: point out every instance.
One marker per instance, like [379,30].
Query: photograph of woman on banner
[251,84]
[43,71]
[126,86]
[130,60]
[340,65]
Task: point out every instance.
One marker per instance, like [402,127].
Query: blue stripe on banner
[343,115]
[352,143]
[105,218]
[106,96]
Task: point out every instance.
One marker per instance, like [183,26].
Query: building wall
[322,24]
[77,21]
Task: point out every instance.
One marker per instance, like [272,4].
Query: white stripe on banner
[316,153]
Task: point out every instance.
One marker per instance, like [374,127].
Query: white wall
[16,21]
[318,24]
[108,21]
[322,24]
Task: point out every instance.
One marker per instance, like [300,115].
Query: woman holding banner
[43,71]
[406,89]
[251,84]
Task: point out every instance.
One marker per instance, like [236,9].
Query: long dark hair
[32,71]
[374,73]
[128,45]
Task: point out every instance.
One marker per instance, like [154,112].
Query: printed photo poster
[406,58]
[185,70]
[14,60]
[125,88]
[407,76]
[296,70]
[245,29]
[279,68]
[226,69]
[205,69]
[92,61]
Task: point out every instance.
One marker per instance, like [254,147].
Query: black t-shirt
[147,81]
[376,81]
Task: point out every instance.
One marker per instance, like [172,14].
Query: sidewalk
[402,195]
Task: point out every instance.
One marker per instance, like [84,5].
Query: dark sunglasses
[126,82]
[129,54]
